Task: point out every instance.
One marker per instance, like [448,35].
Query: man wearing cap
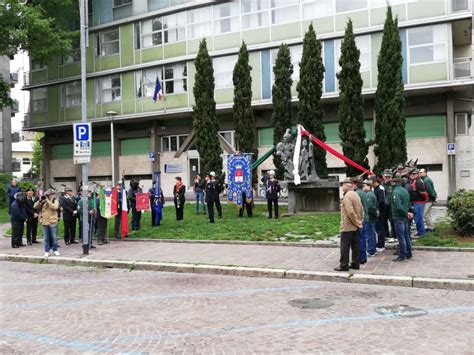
[212,195]
[69,205]
[218,187]
[357,185]
[379,225]
[432,197]
[418,197]
[373,215]
[48,206]
[32,217]
[401,213]
[352,217]
[272,189]
[388,188]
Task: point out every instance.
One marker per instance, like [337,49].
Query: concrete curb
[385,280]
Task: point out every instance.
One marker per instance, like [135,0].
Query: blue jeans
[50,234]
[200,198]
[363,244]
[420,223]
[402,230]
[369,228]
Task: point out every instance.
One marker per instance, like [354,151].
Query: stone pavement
[57,309]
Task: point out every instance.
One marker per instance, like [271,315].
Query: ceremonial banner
[107,202]
[239,177]
[124,220]
[143,202]
[114,207]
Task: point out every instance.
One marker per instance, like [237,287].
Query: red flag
[113,207]
[124,221]
[143,201]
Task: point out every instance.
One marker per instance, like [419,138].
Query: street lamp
[111,115]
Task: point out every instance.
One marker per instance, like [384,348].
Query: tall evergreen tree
[390,140]
[351,104]
[281,98]
[205,122]
[243,112]
[310,89]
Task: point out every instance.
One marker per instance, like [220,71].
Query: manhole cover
[310,303]
[402,310]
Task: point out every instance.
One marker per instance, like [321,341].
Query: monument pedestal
[313,196]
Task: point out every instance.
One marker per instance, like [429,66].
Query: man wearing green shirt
[372,214]
[432,197]
[387,186]
[401,213]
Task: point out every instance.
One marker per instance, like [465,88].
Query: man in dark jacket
[18,218]
[69,205]
[418,197]
[379,225]
[101,232]
[32,217]
[272,189]
[387,186]
[136,215]
[358,188]
[179,197]
[154,200]
[401,212]
[12,190]
[212,195]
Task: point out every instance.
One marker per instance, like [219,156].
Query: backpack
[424,195]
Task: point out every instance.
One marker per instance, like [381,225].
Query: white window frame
[466,123]
[103,43]
[295,61]
[350,11]
[219,62]
[113,90]
[43,100]
[180,76]
[180,29]
[310,3]
[26,161]
[232,137]
[432,44]
[168,138]
[233,18]
[152,33]
[65,94]
[192,23]
[262,13]
[285,7]
[124,3]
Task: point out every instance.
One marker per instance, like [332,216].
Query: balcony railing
[462,68]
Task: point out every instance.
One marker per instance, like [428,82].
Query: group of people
[380,209]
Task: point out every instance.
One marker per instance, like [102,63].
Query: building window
[108,89]
[317,9]
[295,52]
[73,57]
[229,136]
[152,32]
[353,5]
[39,100]
[284,11]
[363,44]
[383,3]
[26,161]
[226,18]
[223,71]
[109,42]
[172,143]
[460,5]
[175,78]
[462,124]
[37,66]
[118,3]
[71,94]
[427,44]
[254,13]
[174,27]
[200,22]
[146,80]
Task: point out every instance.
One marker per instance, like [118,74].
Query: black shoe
[269,217]
[74,242]
[92,247]
[409,257]
[399,259]
[340,268]
[354,266]
[396,252]
[276,217]
[362,262]
[35,242]
[22,245]
[15,246]
[28,243]
[67,243]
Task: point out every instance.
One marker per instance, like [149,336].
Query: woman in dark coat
[179,198]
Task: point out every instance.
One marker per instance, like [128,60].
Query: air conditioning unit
[14,78]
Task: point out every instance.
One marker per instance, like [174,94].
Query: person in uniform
[212,195]
[418,197]
[357,184]
[247,204]
[179,197]
[70,213]
[32,217]
[136,215]
[373,215]
[218,188]
[388,220]
[272,194]
[18,217]
[402,213]
[153,200]
[101,233]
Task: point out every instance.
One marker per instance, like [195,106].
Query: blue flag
[158,203]
[158,94]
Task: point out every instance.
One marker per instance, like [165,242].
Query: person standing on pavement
[357,184]
[179,197]
[432,197]
[379,225]
[32,217]
[118,216]
[48,205]
[90,214]
[418,198]
[373,215]
[272,193]
[11,191]
[18,217]
[69,205]
[132,193]
[199,187]
[401,212]
[101,233]
[352,218]
[388,220]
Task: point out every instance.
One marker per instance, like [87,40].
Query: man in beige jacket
[352,217]
[48,206]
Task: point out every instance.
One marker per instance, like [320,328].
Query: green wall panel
[359,19]
[224,95]
[289,30]
[110,106]
[101,149]
[72,69]
[39,75]
[193,45]
[231,40]
[135,146]
[174,50]
[109,62]
[331,130]
[39,118]
[53,69]
[53,103]
[90,98]
[260,35]
[152,54]
[61,151]
[428,72]
[128,93]
[72,114]
[321,25]
[90,54]
[138,57]
[426,126]
[126,44]
[377,16]
[254,61]
[420,9]
[265,137]
[176,101]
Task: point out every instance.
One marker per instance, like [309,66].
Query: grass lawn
[231,227]
[444,236]
[4,216]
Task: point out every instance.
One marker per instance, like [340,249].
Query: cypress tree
[310,89]
[390,140]
[243,112]
[351,104]
[205,121]
[281,98]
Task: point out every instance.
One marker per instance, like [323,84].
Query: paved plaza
[60,309]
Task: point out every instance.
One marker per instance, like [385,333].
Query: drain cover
[401,310]
[310,303]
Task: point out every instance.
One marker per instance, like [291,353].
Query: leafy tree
[310,89]
[205,122]
[390,140]
[243,112]
[40,27]
[351,104]
[37,159]
[281,98]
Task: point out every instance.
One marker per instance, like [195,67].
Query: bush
[5,181]
[25,185]
[461,210]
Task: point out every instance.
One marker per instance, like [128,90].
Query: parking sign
[82,142]
[451,148]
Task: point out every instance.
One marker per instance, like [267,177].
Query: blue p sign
[82,132]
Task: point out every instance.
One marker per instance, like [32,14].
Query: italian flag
[124,221]
[108,202]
